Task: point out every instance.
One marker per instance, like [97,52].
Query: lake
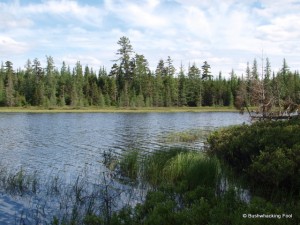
[68,145]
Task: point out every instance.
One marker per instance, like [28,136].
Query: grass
[54,200]
[192,168]
[181,166]
[94,109]
[19,182]
[154,164]
[129,164]
[110,160]
[188,136]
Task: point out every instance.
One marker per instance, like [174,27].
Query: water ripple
[70,141]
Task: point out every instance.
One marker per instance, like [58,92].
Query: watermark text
[267,216]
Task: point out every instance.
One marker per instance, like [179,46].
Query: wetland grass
[129,164]
[171,166]
[193,168]
[154,164]
[187,136]
[19,182]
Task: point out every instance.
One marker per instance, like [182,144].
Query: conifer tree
[206,71]
[194,86]
[9,85]
[182,86]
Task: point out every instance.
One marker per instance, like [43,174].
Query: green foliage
[265,152]
[129,164]
[155,163]
[19,182]
[130,83]
[186,136]
[193,169]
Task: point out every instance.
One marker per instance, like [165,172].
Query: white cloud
[9,45]
[225,33]
[84,59]
[137,14]
[66,9]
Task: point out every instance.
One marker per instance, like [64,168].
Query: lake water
[68,144]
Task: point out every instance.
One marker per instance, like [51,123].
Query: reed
[181,166]
[110,160]
[154,164]
[19,182]
[192,168]
[129,165]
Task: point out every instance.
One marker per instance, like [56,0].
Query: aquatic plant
[129,165]
[110,160]
[19,182]
[155,163]
[193,168]
[187,136]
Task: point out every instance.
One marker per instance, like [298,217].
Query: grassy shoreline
[32,109]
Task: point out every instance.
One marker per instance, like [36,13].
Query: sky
[225,33]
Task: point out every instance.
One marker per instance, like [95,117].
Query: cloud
[91,15]
[83,59]
[137,14]
[225,33]
[8,44]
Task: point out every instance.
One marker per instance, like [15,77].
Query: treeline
[130,83]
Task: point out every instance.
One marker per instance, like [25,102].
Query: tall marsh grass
[181,165]
[154,164]
[192,168]
[129,164]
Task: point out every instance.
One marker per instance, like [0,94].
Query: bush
[267,153]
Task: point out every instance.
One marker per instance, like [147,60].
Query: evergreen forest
[131,83]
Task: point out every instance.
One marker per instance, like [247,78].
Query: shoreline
[114,109]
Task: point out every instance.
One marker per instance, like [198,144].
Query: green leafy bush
[267,153]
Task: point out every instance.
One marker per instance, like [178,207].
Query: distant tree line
[130,83]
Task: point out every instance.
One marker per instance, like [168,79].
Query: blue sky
[225,33]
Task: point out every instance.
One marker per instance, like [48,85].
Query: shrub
[267,153]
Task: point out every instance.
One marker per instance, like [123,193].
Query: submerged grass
[19,182]
[188,136]
[53,201]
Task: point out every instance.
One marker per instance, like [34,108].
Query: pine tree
[267,69]
[9,86]
[206,71]
[38,98]
[2,86]
[182,87]
[125,72]
[159,91]
[50,82]
[171,84]
[194,87]
[254,72]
